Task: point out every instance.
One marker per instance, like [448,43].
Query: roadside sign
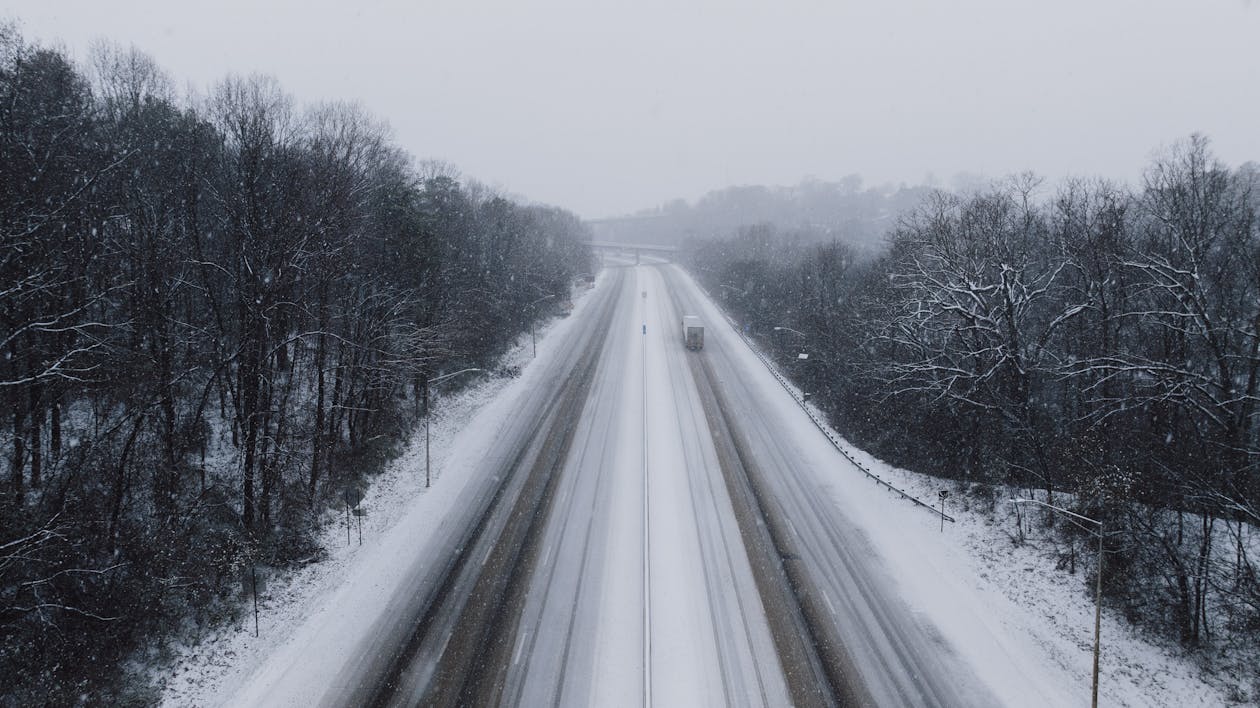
[352,495]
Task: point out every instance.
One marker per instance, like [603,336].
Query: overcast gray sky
[610,107]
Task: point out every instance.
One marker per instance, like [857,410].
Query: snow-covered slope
[308,618]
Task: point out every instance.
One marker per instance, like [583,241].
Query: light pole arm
[427,415]
[1097,524]
[443,377]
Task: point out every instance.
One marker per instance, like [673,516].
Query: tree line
[1098,345]
[216,314]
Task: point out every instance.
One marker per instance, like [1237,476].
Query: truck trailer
[693,332]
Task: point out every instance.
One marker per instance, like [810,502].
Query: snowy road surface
[643,530]
[874,649]
[643,593]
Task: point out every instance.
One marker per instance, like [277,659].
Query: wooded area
[215,315]
[1097,345]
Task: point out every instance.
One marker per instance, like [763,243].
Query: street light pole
[428,413]
[1098,528]
[799,357]
[533,339]
[1098,614]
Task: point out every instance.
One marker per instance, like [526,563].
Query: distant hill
[813,209]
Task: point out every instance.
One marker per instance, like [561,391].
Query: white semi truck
[693,332]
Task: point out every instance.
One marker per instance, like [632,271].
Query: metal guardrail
[836,441]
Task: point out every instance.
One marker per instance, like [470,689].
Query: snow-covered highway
[644,593]
[646,526]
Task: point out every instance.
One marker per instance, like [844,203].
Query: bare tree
[978,314]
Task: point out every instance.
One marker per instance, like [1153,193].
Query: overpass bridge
[638,250]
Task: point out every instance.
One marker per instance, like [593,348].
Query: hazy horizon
[612,110]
